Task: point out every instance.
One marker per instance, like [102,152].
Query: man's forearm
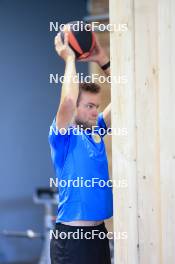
[103,61]
[69,87]
[107,111]
[107,71]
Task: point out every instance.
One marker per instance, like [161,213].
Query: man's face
[87,110]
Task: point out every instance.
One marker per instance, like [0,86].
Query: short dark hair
[88,87]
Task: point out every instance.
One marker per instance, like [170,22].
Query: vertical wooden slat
[167,126]
[147,107]
[124,147]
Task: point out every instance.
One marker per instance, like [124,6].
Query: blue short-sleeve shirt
[81,166]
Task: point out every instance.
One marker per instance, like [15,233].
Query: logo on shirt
[96,138]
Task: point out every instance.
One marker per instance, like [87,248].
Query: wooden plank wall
[124,148]
[148,142]
[146,209]
[166,54]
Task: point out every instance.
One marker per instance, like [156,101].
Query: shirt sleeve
[102,128]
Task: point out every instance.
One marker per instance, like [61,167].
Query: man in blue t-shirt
[79,157]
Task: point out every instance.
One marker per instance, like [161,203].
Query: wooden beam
[124,147]
[148,142]
[166,39]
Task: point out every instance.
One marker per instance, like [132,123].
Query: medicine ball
[80,38]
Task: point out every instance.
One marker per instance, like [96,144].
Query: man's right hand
[63,49]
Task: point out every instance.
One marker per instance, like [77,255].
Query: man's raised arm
[69,91]
[100,57]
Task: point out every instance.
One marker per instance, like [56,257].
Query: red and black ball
[82,41]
